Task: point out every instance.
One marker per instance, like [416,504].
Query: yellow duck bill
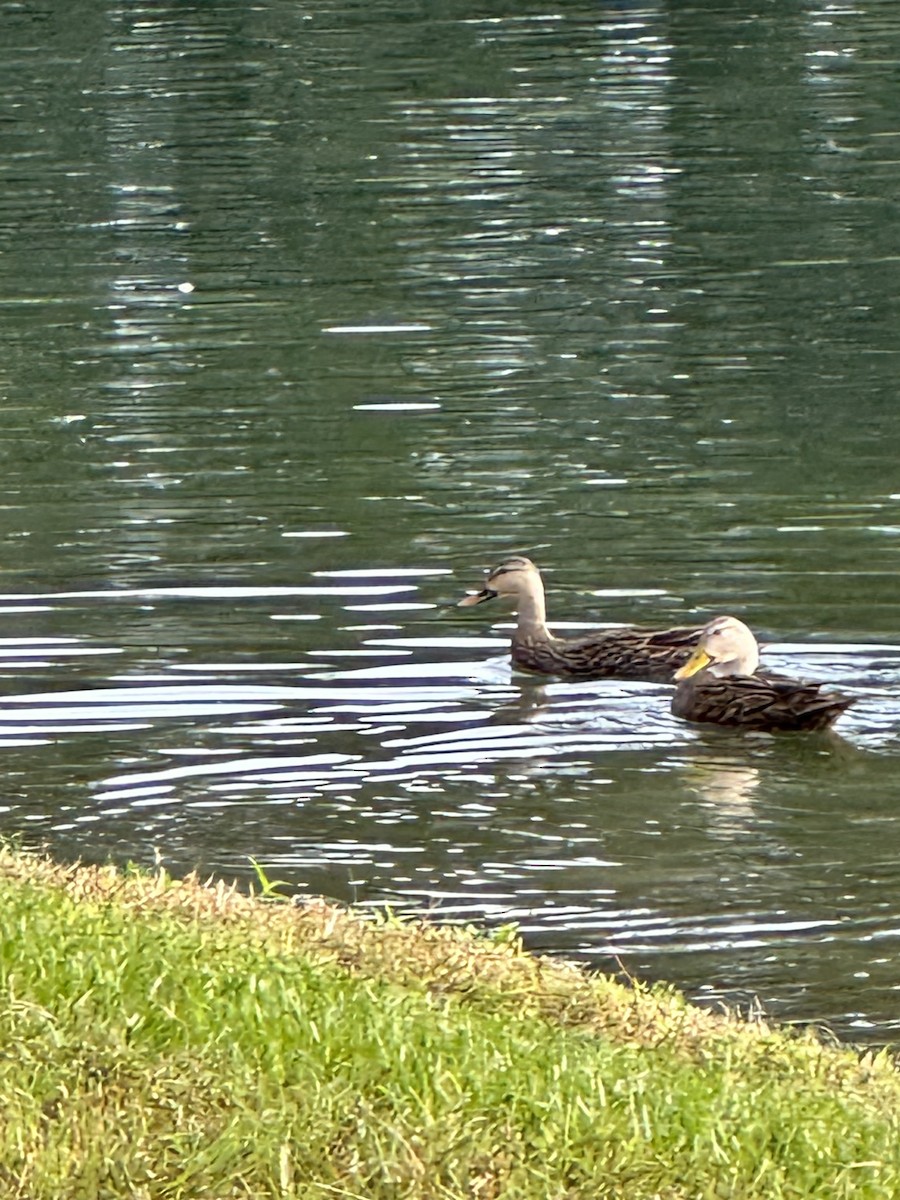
[698,660]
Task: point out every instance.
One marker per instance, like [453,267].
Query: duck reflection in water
[629,653]
[728,785]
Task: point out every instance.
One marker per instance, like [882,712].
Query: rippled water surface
[309,315]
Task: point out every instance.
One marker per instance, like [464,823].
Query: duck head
[515,577]
[726,647]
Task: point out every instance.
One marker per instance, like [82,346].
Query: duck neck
[743,664]
[532,615]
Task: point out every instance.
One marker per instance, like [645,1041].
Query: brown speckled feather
[641,654]
[764,702]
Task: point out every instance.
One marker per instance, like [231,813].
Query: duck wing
[651,655]
[766,702]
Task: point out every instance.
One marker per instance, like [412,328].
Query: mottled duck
[628,653]
[719,685]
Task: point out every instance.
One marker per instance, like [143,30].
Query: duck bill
[478,598]
[698,660]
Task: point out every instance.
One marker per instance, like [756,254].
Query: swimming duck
[630,653]
[719,684]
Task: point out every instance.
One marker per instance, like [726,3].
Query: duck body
[628,653]
[720,685]
[763,702]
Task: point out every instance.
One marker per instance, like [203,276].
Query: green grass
[161,1039]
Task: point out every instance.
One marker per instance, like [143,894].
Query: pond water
[312,314]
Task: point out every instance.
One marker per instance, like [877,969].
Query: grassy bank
[164,1039]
